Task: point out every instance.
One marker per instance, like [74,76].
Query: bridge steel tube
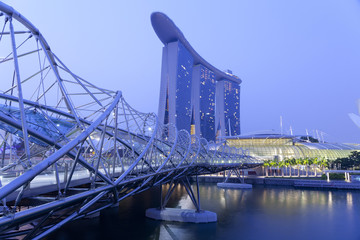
[20,92]
[37,169]
[68,115]
[140,156]
[45,139]
[16,15]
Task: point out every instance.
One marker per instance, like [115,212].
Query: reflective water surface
[260,213]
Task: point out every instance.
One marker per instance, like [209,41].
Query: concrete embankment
[295,182]
[181,215]
[234,185]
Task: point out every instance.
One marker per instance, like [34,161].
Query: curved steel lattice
[69,148]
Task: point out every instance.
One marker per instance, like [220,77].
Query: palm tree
[292,163]
[324,163]
[288,165]
[273,163]
[286,162]
[282,164]
[307,162]
[316,162]
[278,167]
[310,163]
[299,162]
[266,165]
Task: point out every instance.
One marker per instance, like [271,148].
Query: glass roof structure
[277,146]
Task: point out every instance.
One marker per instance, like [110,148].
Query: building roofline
[261,136]
[168,32]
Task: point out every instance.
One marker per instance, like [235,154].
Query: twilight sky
[297,59]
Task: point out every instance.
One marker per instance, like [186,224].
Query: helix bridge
[70,149]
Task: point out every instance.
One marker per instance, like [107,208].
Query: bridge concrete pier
[240,176]
[181,215]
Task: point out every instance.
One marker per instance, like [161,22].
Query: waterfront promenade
[286,181]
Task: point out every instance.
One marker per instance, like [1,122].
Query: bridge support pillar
[242,183]
[181,215]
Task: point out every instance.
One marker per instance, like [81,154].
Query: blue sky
[297,59]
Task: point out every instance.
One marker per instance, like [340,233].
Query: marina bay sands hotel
[194,95]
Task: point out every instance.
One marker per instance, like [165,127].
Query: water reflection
[260,213]
[349,201]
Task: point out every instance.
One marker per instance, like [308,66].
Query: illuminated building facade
[175,91]
[228,108]
[192,86]
[231,108]
[203,99]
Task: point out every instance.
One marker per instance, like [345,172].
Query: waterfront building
[280,147]
[203,99]
[175,91]
[191,86]
[228,108]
